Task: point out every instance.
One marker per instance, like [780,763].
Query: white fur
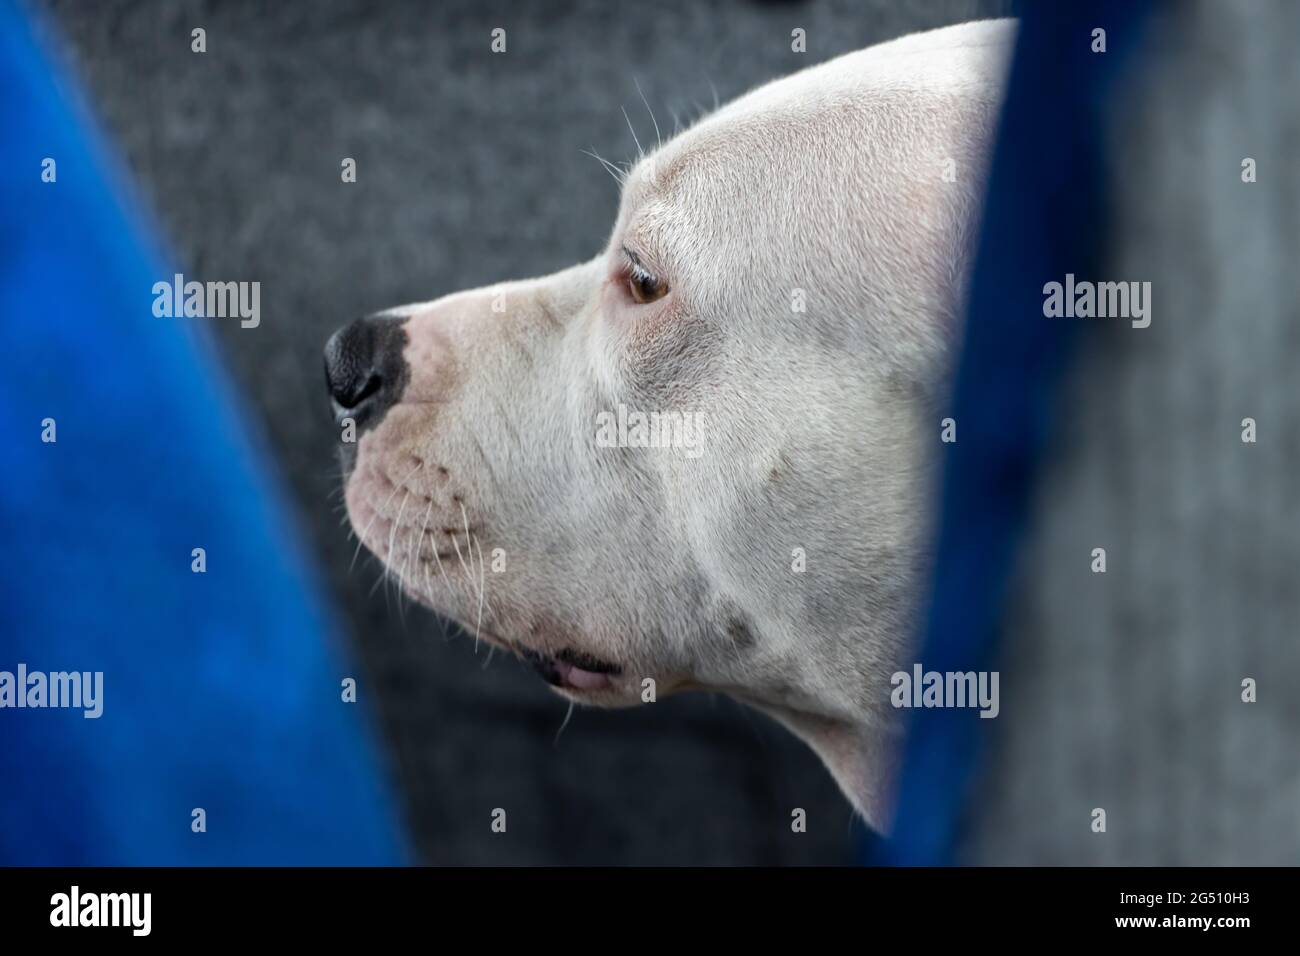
[820,426]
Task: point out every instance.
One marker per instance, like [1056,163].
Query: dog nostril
[352,400]
[364,368]
[350,372]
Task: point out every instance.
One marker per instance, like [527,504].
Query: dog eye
[643,287]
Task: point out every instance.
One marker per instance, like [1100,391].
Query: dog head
[701,460]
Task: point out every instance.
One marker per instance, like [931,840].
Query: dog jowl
[701,459]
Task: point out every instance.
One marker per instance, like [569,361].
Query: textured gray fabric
[469,171]
[1122,690]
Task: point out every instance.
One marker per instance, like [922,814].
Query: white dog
[702,460]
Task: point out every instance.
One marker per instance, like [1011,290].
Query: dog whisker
[478,626]
[677,120]
[567,714]
[659,140]
[401,577]
[373,518]
[639,151]
[455,543]
[465,567]
[392,539]
[441,570]
[619,176]
[487,466]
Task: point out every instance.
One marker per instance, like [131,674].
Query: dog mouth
[573,670]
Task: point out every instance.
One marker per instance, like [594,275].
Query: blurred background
[1175,448]
[469,170]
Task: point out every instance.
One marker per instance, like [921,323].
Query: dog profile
[703,459]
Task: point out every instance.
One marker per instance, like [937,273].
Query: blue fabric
[221,690]
[1043,218]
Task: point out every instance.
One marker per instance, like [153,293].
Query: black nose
[364,368]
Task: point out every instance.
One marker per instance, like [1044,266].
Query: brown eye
[644,287]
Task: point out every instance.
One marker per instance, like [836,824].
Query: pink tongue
[584,680]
